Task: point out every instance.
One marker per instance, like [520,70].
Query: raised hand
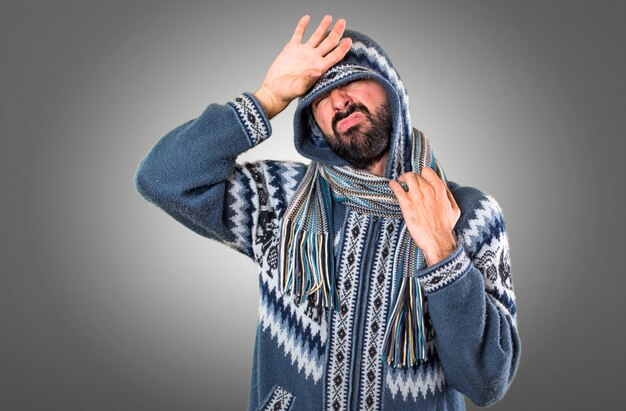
[430,213]
[299,64]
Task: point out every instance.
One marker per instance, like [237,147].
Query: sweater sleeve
[472,304]
[191,173]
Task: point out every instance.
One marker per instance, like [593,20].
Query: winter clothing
[311,355]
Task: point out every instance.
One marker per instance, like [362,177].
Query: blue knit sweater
[309,358]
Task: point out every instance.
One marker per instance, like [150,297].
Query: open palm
[299,64]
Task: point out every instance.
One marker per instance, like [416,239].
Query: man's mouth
[350,121]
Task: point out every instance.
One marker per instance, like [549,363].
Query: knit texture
[307,263]
[310,358]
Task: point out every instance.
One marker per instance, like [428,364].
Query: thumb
[312,73]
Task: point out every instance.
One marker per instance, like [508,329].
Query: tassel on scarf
[306,259]
[404,343]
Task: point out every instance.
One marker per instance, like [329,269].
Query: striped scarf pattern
[306,258]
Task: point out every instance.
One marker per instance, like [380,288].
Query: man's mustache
[352,108]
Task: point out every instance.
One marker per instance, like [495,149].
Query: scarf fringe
[309,272]
[404,343]
[307,263]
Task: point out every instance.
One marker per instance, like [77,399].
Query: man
[383,285]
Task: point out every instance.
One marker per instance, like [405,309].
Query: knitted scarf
[306,258]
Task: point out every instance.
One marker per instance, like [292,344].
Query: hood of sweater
[365,60]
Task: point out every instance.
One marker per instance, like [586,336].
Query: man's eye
[320,102]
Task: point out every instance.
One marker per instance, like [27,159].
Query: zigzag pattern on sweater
[300,329]
[252,189]
[294,348]
[282,178]
[485,239]
[416,382]
[311,330]
[242,197]
[484,223]
[258,195]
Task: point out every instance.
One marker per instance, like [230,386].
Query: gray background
[106,303]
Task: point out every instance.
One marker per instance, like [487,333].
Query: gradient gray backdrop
[106,303]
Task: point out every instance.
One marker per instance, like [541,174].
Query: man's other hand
[429,211]
[299,64]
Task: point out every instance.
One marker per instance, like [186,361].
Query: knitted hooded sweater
[307,357]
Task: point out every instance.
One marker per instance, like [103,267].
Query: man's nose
[339,99]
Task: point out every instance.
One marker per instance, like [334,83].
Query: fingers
[319,33]
[338,53]
[433,179]
[319,39]
[410,179]
[398,191]
[422,184]
[300,28]
[331,41]
[329,46]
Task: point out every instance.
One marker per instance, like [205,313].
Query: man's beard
[363,144]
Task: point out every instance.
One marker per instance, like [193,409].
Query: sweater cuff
[445,272]
[252,118]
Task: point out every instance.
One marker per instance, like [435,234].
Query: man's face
[356,121]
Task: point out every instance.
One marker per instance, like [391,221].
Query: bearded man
[383,285]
